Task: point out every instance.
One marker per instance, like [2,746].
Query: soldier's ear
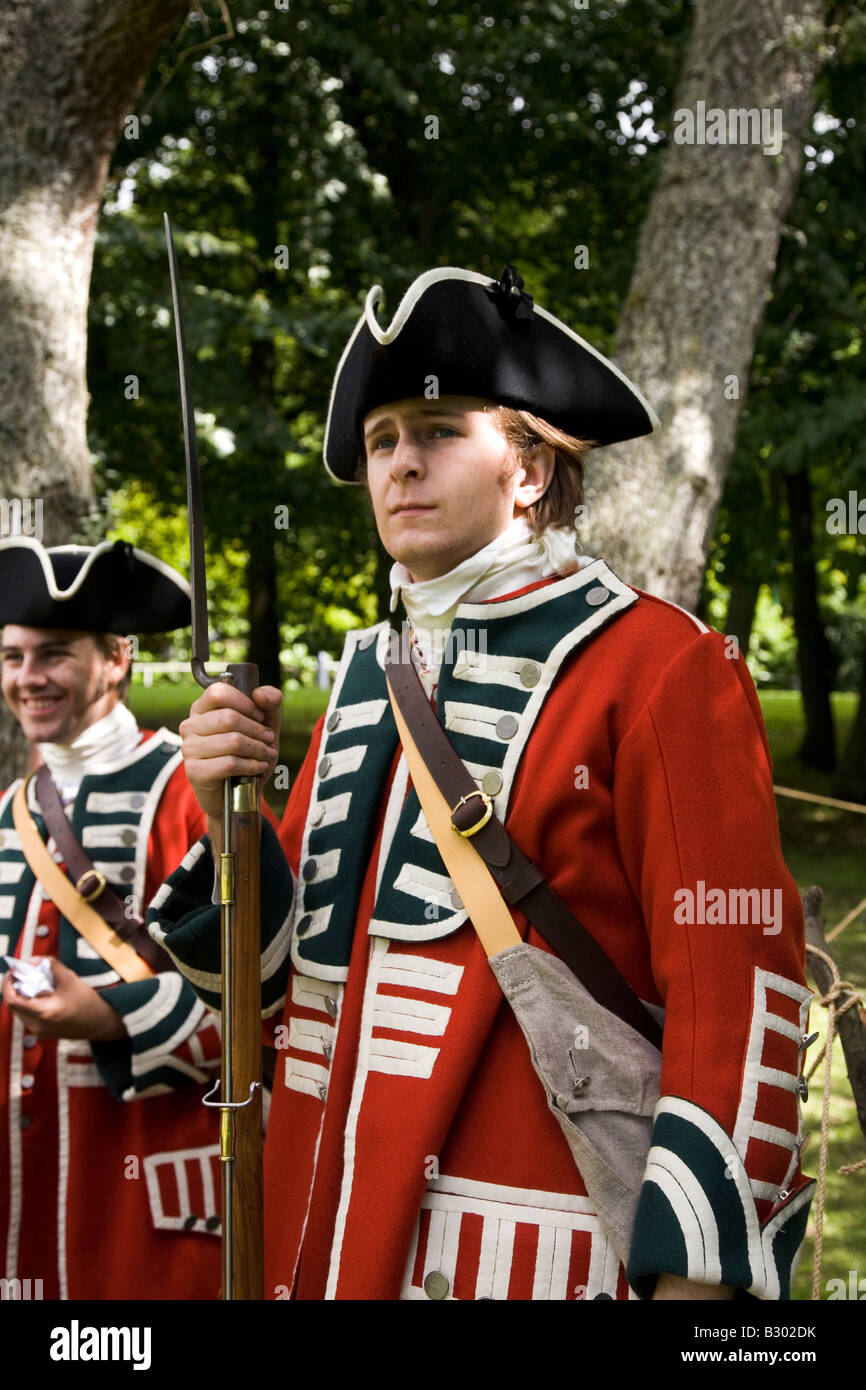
[536,467]
[118,658]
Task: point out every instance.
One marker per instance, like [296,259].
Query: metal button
[507,726]
[322,1090]
[333,721]
[317,814]
[29,1040]
[137,801]
[129,837]
[436,1285]
[456,901]
[27,1082]
[310,869]
[807,1039]
[324,766]
[330,1006]
[802,1088]
[530,674]
[212,1223]
[189,1222]
[304,924]
[491,782]
[42,930]
[597,596]
[326,1049]
[127,872]
[24,1122]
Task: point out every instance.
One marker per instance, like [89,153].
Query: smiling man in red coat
[418,1147]
[109,1170]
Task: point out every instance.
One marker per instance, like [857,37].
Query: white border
[92,553]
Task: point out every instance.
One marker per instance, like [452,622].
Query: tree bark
[384,564]
[742,602]
[850,783]
[814,657]
[851,1024]
[69,74]
[705,262]
[263,641]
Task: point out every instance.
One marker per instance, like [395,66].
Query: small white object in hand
[32,978]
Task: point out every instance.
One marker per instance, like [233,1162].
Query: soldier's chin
[45,725]
[423,551]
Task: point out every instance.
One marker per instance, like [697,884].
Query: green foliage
[773,648]
[806,408]
[310,130]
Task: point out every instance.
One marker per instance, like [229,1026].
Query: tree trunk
[705,264]
[384,564]
[742,603]
[850,783]
[69,74]
[814,657]
[263,643]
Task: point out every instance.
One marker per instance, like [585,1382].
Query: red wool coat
[109,1170]
[409,1133]
[411,1151]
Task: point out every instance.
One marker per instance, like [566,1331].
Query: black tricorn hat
[458,333]
[110,587]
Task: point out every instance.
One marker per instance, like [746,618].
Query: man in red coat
[421,1142]
[109,1177]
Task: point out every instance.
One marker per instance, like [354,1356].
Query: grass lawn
[821,844]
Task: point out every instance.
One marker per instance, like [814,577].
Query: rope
[843,806]
[855,912]
[837,988]
[822,800]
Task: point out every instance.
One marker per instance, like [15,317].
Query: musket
[240,1084]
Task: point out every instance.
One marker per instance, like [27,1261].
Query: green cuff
[697,1218]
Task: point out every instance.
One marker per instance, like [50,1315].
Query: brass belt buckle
[95,892]
[472,829]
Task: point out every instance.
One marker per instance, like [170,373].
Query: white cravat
[102,743]
[514,560]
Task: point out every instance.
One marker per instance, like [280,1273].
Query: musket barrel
[241,1072]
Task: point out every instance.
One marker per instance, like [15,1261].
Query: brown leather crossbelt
[89,883]
[521,882]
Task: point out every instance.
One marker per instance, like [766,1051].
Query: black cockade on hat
[508,296]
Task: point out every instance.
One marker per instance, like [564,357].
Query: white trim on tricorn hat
[162,605]
[343,444]
[411,297]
